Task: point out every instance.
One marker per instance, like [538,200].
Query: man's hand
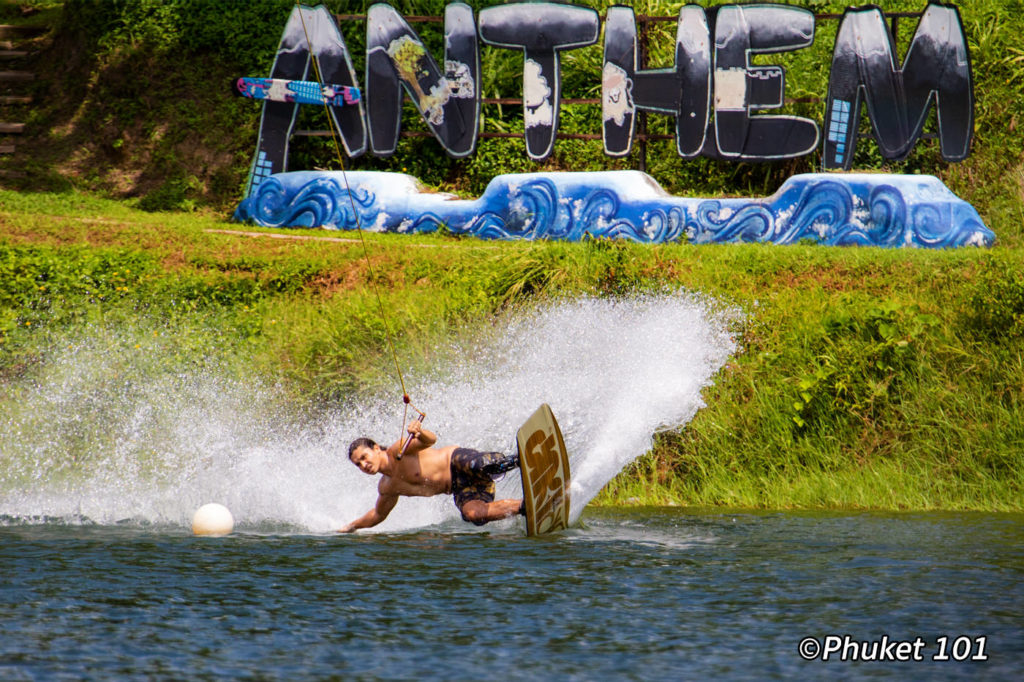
[380,511]
[417,439]
[426,437]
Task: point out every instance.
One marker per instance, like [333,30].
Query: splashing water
[112,431]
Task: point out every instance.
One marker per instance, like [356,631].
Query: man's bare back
[418,469]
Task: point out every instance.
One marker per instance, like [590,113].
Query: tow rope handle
[409,437]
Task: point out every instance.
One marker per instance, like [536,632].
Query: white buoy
[212,519]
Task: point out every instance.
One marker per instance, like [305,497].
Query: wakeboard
[544,465]
[297,92]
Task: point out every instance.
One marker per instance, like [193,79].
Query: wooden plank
[6,148]
[12,128]
[15,99]
[13,54]
[14,32]
[278,235]
[16,76]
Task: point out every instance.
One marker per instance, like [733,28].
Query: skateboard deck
[297,92]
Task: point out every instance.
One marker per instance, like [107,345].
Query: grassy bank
[132,102]
[890,379]
[867,378]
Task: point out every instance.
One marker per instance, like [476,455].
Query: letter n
[683,91]
[864,67]
[449,101]
[293,63]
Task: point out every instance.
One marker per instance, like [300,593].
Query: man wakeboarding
[415,468]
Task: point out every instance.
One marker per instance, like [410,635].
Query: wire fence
[642,135]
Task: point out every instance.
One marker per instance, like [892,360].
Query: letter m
[937,65]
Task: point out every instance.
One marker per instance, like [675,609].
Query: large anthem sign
[712,90]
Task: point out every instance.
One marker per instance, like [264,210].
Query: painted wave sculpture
[827,208]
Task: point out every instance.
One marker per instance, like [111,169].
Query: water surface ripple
[652,594]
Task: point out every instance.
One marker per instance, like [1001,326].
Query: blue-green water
[653,594]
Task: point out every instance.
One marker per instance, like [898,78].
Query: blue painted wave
[833,208]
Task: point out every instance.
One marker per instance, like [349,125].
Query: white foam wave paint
[110,431]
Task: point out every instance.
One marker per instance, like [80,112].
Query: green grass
[868,378]
[876,380]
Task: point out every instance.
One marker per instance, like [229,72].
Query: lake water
[650,594]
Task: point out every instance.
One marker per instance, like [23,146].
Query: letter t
[541,31]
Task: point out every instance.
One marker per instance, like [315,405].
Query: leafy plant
[996,307]
[863,359]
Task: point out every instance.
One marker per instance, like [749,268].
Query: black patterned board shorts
[474,473]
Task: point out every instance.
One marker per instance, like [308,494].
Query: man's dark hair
[359,443]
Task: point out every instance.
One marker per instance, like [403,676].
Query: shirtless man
[424,470]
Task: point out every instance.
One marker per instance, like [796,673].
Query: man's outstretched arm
[385,503]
